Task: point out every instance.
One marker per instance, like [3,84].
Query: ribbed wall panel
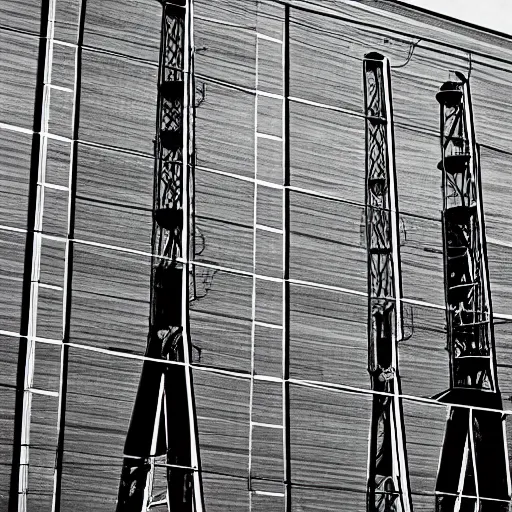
[328,307]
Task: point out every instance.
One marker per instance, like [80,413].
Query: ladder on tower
[473,468]
[388,488]
[161,466]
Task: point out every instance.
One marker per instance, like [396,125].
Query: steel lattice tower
[388,480]
[473,469]
[161,464]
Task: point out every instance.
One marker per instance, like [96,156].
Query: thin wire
[393,34]
[324,386]
[232,85]
[409,56]
[310,7]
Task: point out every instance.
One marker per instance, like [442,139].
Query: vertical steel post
[286,260]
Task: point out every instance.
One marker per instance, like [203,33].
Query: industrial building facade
[196,279]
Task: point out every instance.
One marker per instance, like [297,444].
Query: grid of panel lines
[239,327]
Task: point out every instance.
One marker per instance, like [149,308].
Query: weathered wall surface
[237,325]
[328,337]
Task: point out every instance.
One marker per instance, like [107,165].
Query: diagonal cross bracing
[473,468]
[388,480]
[161,464]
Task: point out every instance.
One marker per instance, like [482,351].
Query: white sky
[494,14]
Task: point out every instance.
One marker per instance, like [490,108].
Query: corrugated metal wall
[240,63]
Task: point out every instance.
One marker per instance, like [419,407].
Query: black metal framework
[161,464]
[473,470]
[388,480]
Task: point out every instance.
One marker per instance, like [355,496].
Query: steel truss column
[388,480]
[161,465]
[473,469]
